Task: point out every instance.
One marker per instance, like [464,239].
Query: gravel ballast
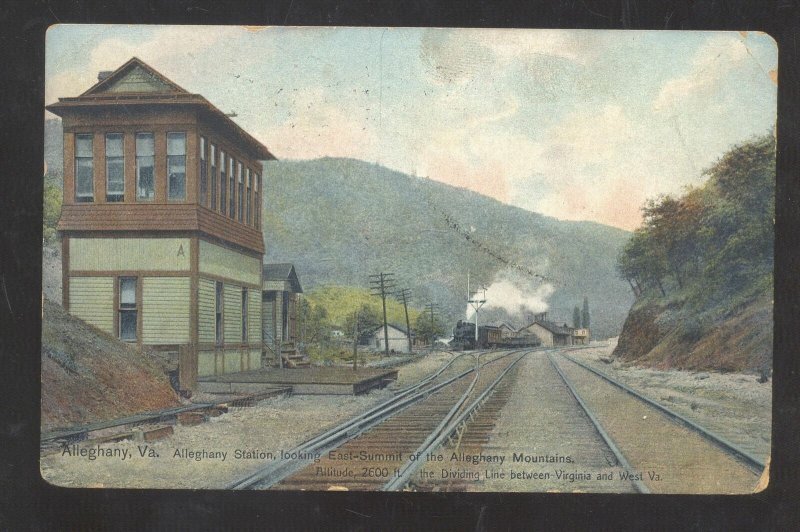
[192,457]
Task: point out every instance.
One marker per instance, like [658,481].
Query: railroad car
[489,336]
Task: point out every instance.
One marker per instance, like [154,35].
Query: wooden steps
[292,358]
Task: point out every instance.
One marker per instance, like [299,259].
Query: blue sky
[581,125]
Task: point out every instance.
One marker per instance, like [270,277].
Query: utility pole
[405,295]
[355,342]
[476,304]
[431,308]
[381,285]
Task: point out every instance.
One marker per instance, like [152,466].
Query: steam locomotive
[489,336]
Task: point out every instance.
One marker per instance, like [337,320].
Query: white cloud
[513,45]
[176,51]
[600,164]
[713,61]
[314,128]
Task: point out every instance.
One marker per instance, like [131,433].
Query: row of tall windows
[115,166]
[219,175]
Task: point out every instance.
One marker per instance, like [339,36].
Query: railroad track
[664,451]
[375,450]
[604,427]
[574,411]
[538,416]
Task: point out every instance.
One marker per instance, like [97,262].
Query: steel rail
[433,435]
[429,378]
[276,471]
[751,461]
[446,428]
[637,484]
[77,432]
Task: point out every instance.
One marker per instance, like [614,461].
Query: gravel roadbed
[670,457]
[271,426]
[733,405]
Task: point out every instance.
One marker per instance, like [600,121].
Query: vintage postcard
[408,259]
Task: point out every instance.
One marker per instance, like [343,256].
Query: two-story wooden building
[161,228]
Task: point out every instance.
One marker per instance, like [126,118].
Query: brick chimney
[103,74]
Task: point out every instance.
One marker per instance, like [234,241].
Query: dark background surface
[28,503]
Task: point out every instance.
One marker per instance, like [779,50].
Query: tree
[52,208]
[424,328]
[585,314]
[576,317]
[642,262]
[314,320]
[716,240]
[368,318]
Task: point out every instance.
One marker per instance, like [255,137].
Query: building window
[176,166]
[128,312]
[115,167]
[84,168]
[249,196]
[232,188]
[145,163]
[241,189]
[203,173]
[218,311]
[212,156]
[257,203]
[244,315]
[223,183]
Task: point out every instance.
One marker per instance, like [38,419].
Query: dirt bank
[664,338]
[90,376]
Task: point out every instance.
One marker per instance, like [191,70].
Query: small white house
[398,340]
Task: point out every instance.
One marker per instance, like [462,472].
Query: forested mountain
[340,220]
[702,269]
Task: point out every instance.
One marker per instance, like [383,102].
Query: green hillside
[339,220]
[340,302]
[702,268]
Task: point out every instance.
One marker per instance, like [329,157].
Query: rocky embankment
[663,337]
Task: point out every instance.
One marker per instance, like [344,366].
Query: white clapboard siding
[92,300]
[233,314]
[206,313]
[165,310]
